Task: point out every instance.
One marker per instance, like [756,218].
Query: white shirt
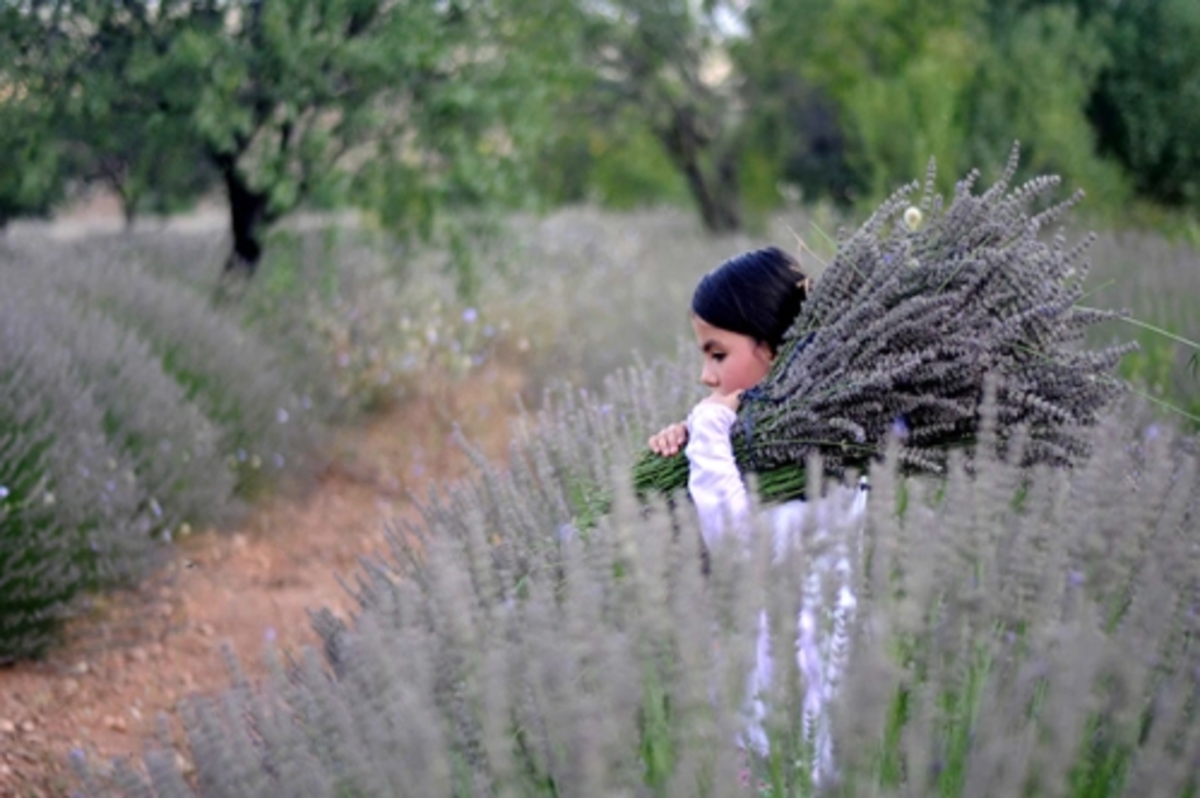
[721,501]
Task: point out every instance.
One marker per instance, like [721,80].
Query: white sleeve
[714,481]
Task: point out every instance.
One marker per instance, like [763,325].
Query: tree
[959,81]
[284,100]
[31,180]
[1037,73]
[796,128]
[898,73]
[1146,103]
[668,60]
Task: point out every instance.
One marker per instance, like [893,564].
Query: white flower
[913,217]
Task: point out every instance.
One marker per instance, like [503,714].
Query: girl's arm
[714,481]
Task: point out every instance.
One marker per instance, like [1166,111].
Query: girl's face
[732,361]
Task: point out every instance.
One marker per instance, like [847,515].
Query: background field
[368,329]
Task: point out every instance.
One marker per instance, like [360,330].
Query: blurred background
[412,111]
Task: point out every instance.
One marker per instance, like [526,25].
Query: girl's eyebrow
[708,346]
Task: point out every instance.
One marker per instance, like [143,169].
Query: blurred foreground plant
[1021,631]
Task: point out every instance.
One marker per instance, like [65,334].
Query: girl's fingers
[669,441]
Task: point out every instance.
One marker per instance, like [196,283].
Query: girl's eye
[718,356]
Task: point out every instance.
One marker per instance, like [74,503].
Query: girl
[740,312]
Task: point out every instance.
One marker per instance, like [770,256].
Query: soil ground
[138,652]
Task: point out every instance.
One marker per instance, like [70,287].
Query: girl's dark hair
[757,293]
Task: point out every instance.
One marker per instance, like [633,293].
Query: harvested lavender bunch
[919,309]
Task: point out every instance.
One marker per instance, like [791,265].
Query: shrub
[127,408]
[69,517]
[230,374]
[1019,632]
[381,319]
[171,445]
[383,330]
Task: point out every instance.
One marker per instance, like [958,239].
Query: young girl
[740,312]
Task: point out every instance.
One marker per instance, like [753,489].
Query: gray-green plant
[130,411]
[1020,631]
[233,376]
[72,516]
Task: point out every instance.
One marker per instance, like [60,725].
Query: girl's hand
[669,440]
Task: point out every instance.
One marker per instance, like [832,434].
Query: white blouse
[721,501]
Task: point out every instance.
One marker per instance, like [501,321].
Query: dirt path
[139,652]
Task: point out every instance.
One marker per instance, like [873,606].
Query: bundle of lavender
[917,310]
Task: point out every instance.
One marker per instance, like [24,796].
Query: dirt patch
[138,652]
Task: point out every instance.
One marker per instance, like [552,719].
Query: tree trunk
[128,210]
[248,219]
[716,189]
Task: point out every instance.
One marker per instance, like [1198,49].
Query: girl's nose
[708,377]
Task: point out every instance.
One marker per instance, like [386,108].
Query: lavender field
[541,632]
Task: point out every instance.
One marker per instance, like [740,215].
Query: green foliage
[110,111]
[1144,105]
[285,101]
[29,183]
[909,81]
[899,74]
[31,180]
[618,166]
[797,144]
[1034,83]
[644,69]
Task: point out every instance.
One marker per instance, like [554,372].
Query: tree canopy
[280,102]
[413,107]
